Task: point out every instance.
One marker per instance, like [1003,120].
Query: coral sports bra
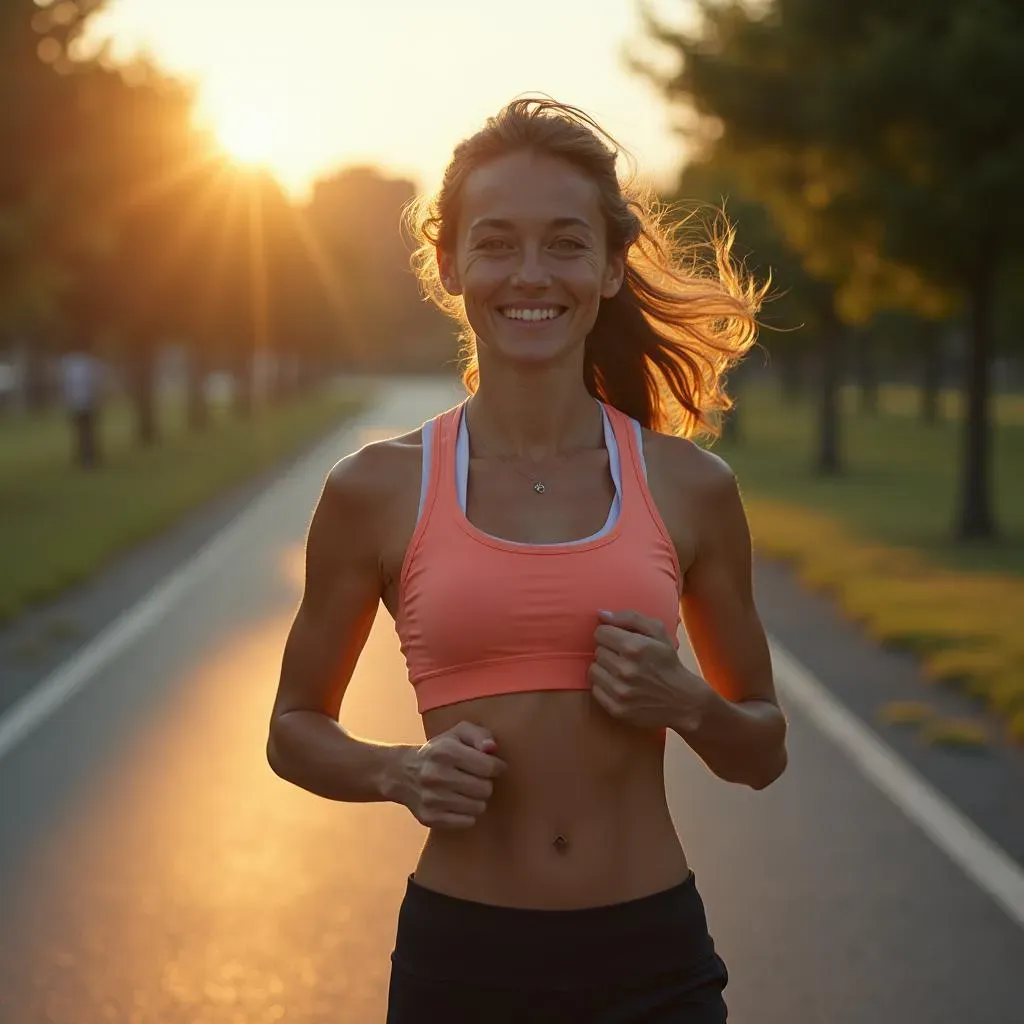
[480,616]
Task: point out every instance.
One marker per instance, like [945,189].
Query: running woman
[537,546]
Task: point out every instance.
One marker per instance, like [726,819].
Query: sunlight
[247,136]
[304,92]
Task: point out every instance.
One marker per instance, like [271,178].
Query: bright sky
[315,84]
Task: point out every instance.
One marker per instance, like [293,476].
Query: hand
[448,779]
[637,676]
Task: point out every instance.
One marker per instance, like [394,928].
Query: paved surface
[154,871]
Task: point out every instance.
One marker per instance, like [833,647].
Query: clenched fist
[448,780]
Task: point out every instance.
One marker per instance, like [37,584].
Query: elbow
[275,755]
[772,768]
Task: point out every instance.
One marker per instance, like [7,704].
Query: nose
[531,272]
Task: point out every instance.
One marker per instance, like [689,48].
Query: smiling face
[531,259]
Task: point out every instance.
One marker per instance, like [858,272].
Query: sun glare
[246,137]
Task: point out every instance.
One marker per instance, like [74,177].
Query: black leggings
[646,961]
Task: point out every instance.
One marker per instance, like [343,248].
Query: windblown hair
[686,312]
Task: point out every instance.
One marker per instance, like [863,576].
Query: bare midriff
[578,819]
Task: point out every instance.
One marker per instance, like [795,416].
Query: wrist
[698,703]
[394,779]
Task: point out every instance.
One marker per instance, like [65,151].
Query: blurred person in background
[537,545]
[81,379]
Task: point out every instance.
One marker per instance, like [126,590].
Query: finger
[476,762]
[446,820]
[629,619]
[474,735]
[614,662]
[623,641]
[472,786]
[609,685]
[454,803]
[442,799]
[604,697]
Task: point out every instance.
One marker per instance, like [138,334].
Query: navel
[560,843]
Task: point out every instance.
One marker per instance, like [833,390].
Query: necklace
[538,485]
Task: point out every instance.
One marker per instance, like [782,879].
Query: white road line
[47,696]
[981,859]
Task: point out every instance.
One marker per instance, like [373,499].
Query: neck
[534,414]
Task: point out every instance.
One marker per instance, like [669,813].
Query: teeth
[531,314]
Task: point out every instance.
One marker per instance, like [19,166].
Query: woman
[534,545]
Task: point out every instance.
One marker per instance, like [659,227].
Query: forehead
[528,188]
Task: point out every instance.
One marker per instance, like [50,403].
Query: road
[154,871]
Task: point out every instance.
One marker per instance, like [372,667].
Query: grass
[58,524]
[878,537]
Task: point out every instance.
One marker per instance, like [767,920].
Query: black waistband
[446,938]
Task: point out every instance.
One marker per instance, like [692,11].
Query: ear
[449,275]
[614,275]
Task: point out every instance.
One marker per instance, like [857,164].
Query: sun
[246,136]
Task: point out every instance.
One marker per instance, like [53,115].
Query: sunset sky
[314,84]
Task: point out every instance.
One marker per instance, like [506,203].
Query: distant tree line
[124,229]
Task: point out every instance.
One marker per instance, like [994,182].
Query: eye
[568,244]
[492,244]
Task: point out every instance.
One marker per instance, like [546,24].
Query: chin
[534,352]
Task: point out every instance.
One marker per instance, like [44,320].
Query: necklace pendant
[539,487]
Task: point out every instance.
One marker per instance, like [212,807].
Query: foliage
[886,139]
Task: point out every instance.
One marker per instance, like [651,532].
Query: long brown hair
[659,349]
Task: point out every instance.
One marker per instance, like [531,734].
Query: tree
[799,306]
[888,139]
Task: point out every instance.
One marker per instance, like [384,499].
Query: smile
[532,315]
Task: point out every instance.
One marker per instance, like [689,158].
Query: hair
[660,348]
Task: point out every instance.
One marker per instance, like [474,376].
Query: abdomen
[574,772]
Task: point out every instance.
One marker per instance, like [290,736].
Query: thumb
[477,736]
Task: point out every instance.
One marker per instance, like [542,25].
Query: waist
[454,939]
[567,867]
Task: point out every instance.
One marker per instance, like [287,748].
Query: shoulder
[696,494]
[682,465]
[376,473]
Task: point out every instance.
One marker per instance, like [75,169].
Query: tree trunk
[867,376]
[243,396]
[931,378]
[975,520]
[828,460]
[143,387]
[197,406]
[791,375]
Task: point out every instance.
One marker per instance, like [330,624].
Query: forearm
[314,752]
[740,742]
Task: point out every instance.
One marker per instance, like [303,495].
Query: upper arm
[718,606]
[341,592]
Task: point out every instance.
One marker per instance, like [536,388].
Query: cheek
[585,276]
[479,276]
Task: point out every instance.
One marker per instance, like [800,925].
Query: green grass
[878,537]
[58,524]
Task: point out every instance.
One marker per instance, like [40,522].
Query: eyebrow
[507,225]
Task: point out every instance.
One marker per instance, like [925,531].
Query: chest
[540,503]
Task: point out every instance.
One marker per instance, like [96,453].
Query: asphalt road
[154,871]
